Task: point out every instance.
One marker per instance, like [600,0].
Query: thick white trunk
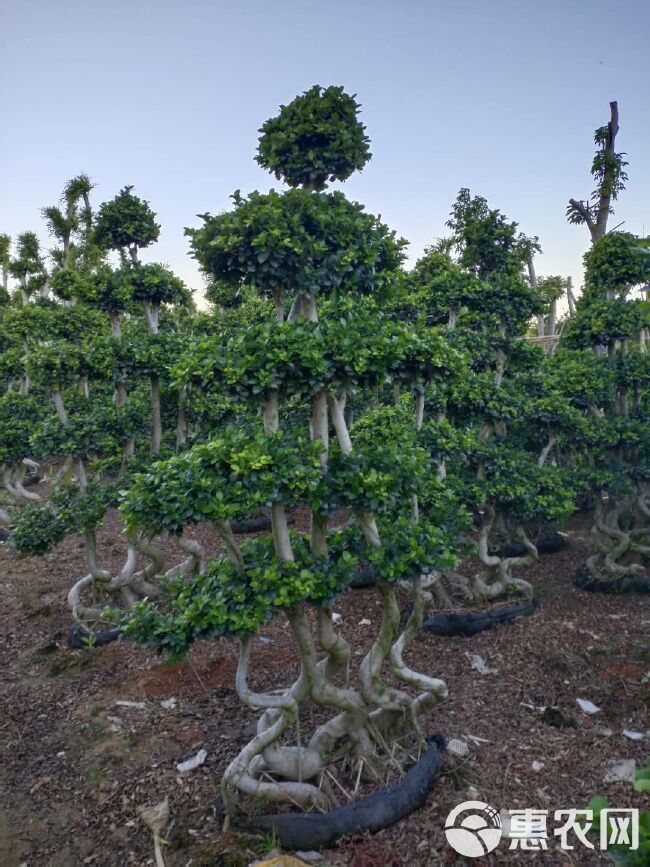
[156,424]
[181,420]
[279,524]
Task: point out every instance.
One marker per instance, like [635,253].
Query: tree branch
[583,210]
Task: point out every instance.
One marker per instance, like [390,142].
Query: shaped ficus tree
[18,417]
[603,368]
[491,455]
[21,327]
[86,353]
[328,268]
[152,286]
[127,224]
[28,267]
[72,362]
[71,225]
[19,410]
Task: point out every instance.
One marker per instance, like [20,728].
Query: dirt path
[76,765]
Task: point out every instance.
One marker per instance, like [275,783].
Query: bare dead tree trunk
[598,226]
[607,187]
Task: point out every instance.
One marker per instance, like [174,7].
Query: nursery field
[76,765]
[337,556]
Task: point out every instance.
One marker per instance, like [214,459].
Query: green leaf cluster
[297,242]
[315,139]
[125,221]
[226,478]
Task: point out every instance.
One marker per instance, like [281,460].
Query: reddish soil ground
[75,767]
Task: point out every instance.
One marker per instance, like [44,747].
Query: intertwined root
[130,585]
[364,725]
[13,482]
[495,578]
[621,533]
[445,590]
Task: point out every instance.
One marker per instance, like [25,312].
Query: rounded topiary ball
[315,139]
[617,261]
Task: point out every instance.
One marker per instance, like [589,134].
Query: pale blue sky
[498,96]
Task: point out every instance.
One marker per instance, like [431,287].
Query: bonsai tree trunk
[497,575]
[12,482]
[18,479]
[120,387]
[129,584]
[319,430]
[181,422]
[621,527]
[152,313]
[156,423]
[552,318]
[362,721]
[621,552]
[23,390]
[570,297]
[532,279]
[279,524]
